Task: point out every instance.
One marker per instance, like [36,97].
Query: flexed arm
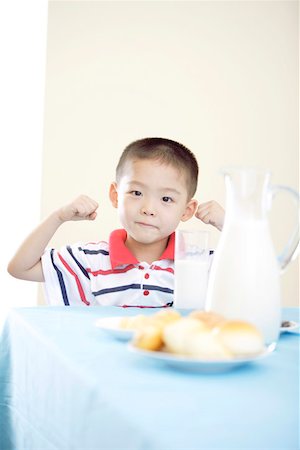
[26,263]
[211,213]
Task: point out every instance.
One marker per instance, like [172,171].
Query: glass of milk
[191,268]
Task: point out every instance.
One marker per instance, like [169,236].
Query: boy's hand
[82,208]
[211,213]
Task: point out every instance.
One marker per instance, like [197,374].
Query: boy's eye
[136,193]
[167,199]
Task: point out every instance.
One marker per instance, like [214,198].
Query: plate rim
[114,330]
[181,359]
[107,319]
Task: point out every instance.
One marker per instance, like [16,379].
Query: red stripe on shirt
[111,271]
[167,269]
[80,289]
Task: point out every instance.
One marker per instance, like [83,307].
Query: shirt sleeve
[67,282]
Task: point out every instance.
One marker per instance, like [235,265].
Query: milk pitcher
[244,282]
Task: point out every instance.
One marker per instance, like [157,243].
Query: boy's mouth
[146,225]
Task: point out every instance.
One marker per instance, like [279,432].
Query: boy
[156,179]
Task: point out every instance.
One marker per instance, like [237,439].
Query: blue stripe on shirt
[61,281]
[151,287]
[85,273]
[117,289]
[93,252]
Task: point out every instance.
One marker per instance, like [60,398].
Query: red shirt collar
[119,253]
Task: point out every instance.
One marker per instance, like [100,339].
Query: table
[67,385]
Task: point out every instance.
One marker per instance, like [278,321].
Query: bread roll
[177,334]
[150,335]
[148,338]
[202,334]
[209,318]
[164,317]
[133,322]
[205,344]
[240,338]
[161,318]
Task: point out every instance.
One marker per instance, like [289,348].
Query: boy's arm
[26,264]
[211,213]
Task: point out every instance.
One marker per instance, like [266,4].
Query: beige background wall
[220,77]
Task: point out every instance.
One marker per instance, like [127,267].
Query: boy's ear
[113,194]
[190,210]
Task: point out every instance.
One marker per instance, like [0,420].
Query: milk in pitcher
[245,263]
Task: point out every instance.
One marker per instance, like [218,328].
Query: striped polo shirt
[107,274]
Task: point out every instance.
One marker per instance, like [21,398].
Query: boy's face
[152,198]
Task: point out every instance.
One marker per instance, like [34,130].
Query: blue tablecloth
[67,385]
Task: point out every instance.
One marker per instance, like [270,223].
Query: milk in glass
[191,279]
[191,268]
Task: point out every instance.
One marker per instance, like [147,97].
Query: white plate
[288,325]
[111,325]
[197,365]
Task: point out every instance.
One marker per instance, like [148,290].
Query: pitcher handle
[291,250]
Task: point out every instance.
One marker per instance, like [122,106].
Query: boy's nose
[147,211]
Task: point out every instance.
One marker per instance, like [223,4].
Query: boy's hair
[168,152]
